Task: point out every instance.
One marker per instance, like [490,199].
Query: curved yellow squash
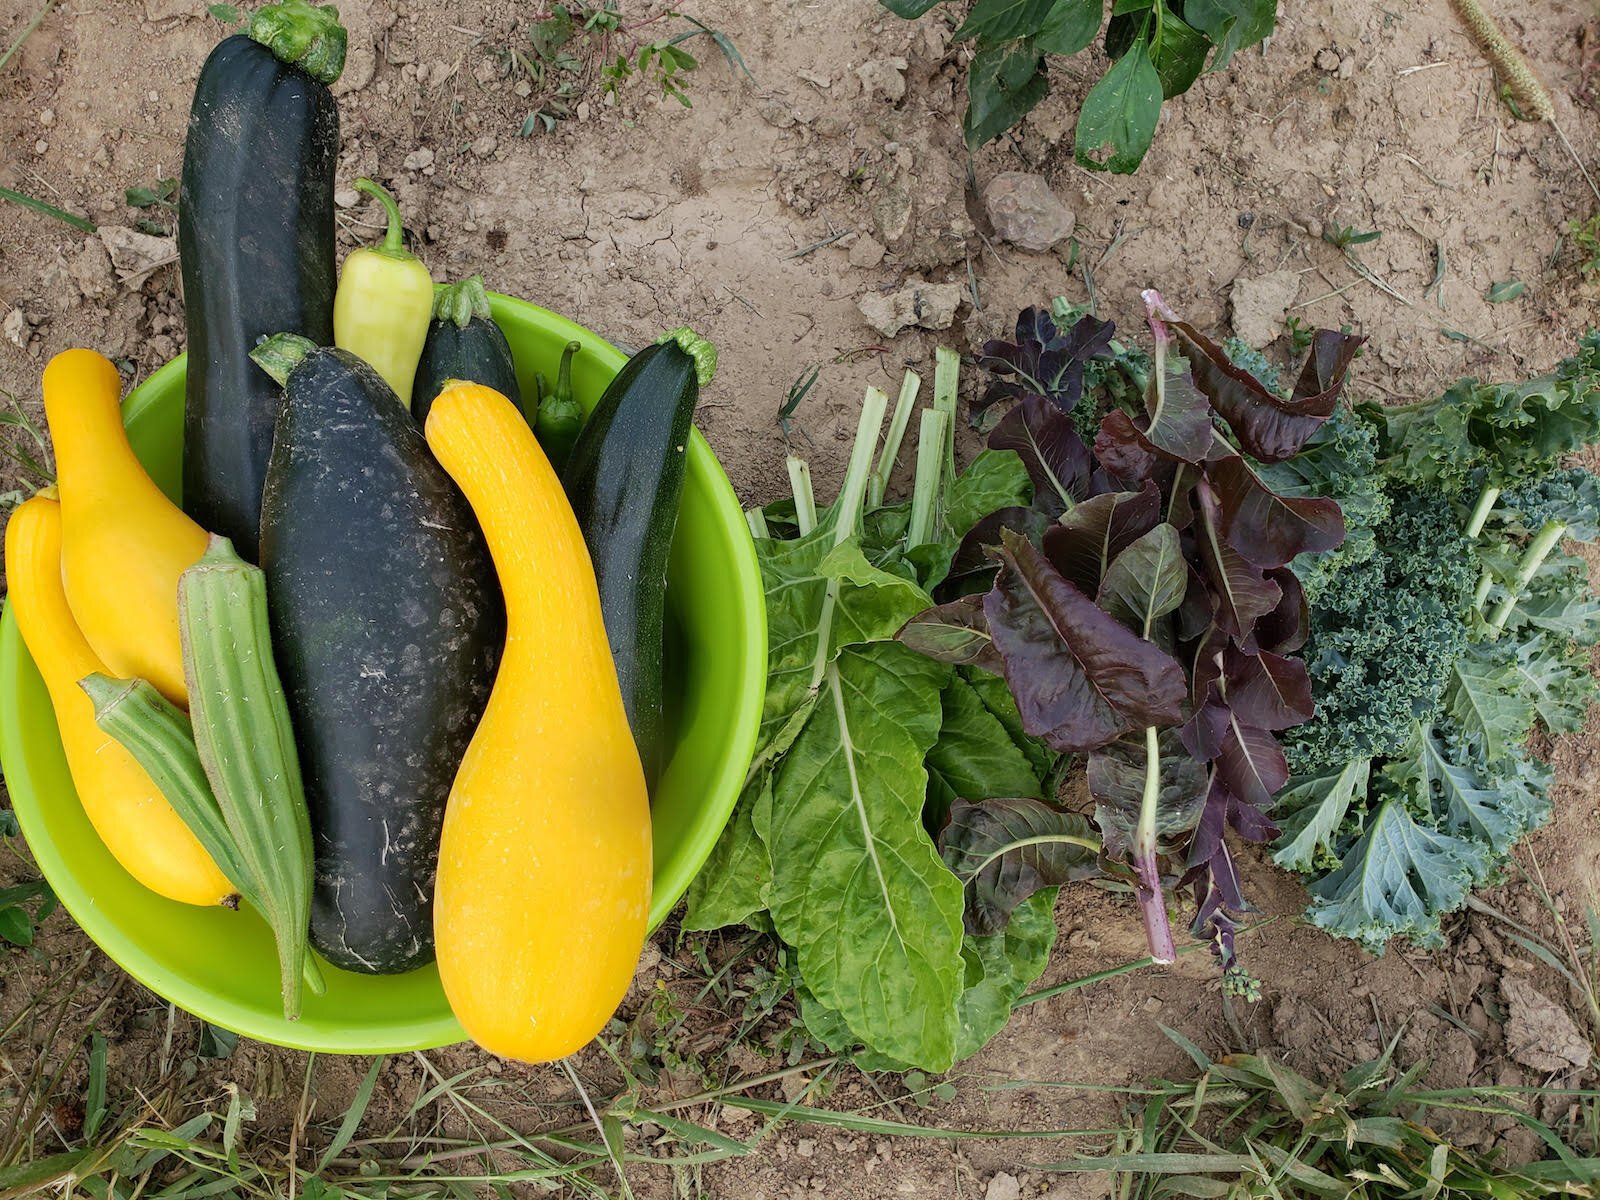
[124,544]
[131,816]
[543,894]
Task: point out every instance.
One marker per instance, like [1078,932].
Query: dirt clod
[1539,1032]
[920,305]
[1003,1187]
[1259,304]
[1025,212]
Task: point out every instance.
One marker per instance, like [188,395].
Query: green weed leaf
[1120,111]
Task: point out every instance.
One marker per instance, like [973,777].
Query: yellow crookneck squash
[125,807]
[124,544]
[543,893]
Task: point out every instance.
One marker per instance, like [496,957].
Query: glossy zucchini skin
[476,353]
[256,248]
[387,624]
[625,481]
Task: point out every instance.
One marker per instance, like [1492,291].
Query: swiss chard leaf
[1080,677]
[955,632]
[731,887]
[1001,967]
[996,479]
[974,757]
[1120,111]
[858,889]
[1005,850]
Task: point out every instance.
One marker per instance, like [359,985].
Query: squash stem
[280,354]
[459,303]
[394,238]
[879,484]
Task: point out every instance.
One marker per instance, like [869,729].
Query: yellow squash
[124,544]
[131,816]
[543,893]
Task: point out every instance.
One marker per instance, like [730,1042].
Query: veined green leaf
[1310,811]
[1071,26]
[1485,698]
[732,885]
[1002,20]
[857,887]
[1004,83]
[974,758]
[1120,111]
[1233,25]
[1000,968]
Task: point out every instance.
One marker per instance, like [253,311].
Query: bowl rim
[393,1035]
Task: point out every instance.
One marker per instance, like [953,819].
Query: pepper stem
[458,303]
[280,354]
[394,240]
[303,35]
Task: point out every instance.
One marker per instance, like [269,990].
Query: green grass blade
[48,209]
[352,1118]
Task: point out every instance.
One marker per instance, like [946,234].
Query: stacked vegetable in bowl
[441,663]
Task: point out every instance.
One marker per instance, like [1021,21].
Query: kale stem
[1533,558]
[1152,903]
[879,483]
[1481,592]
[805,500]
[1481,511]
[930,465]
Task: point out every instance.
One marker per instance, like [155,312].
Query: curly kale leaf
[1497,435]
[1570,497]
[1247,358]
[1340,461]
[1385,637]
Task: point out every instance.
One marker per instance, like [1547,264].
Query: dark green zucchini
[255,245]
[464,343]
[625,479]
[387,623]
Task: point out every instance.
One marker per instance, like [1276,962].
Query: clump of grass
[1585,237]
[1251,1127]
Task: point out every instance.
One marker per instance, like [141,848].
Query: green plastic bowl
[219,965]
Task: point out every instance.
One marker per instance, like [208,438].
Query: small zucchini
[464,343]
[625,479]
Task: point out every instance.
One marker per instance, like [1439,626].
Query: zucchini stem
[879,485]
[280,354]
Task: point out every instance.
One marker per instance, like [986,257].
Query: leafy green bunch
[1158,48]
[1447,629]
[864,742]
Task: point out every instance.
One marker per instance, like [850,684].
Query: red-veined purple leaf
[1286,628]
[1180,415]
[1251,764]
[1269,427]
[1006,850]
[1056,459]
[1079,677]
[1146,580]
[1123,454]
[1085,541]
[1268,529]
[973,567]
[1202,733]
[1243,591]
[1267,690]
[1198,612]
[953,633]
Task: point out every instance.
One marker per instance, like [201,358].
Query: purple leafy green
[1005,850]
[1142,611]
